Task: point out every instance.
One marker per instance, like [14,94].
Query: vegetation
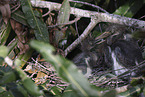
[38,39]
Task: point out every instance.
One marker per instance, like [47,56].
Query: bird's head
[125,55]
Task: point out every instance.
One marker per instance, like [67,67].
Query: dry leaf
[17,27]
[6,12]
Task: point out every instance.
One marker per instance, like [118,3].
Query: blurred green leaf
[130,8]
[22,90]
[5,69]
[2,89]
[31,87]
[65,69]
[8,77]
[6,94]
[3,51]
[15,89]
[37,24]
[111,93]
[28,84]
[56,91]
[143,91]
[71,94]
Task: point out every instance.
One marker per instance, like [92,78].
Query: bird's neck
[118,68]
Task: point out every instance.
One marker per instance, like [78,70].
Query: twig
[95,6]
[46,13]
[82,37]
[70,22]
[16,8]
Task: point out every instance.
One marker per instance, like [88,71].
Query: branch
[92,5]
[96,17]
[70,22]
[82,37]
[103,17]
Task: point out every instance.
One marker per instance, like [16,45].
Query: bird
[125,56]
[85,60]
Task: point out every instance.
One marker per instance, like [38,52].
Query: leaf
[63,17]
[22,90]
[130,8]
[28,84]
[25,57]
[40,76]
[18,28]
[64,13]
[65,69]
[16,89]
[12,45]
[55,90]
[31,87]
[3,51]
[111,93]
[5,33]
[59,35]
[19,17]
[38,25]
[6,94]
[8,77]
[6,11]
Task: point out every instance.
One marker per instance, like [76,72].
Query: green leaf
[22,90]
[6,94]
[111,93]
[16,89]
[8,77]
[70,93]
[5,68]
[25,57]
[130,8]
[55,90]
[19,17]
[12,45]
[65,69]
[28,84]
[59,35]
[64,13]
[31,87]
[5,33]
[63,17]
[37,24]
[3,51]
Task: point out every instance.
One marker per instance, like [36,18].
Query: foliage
[37,67]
